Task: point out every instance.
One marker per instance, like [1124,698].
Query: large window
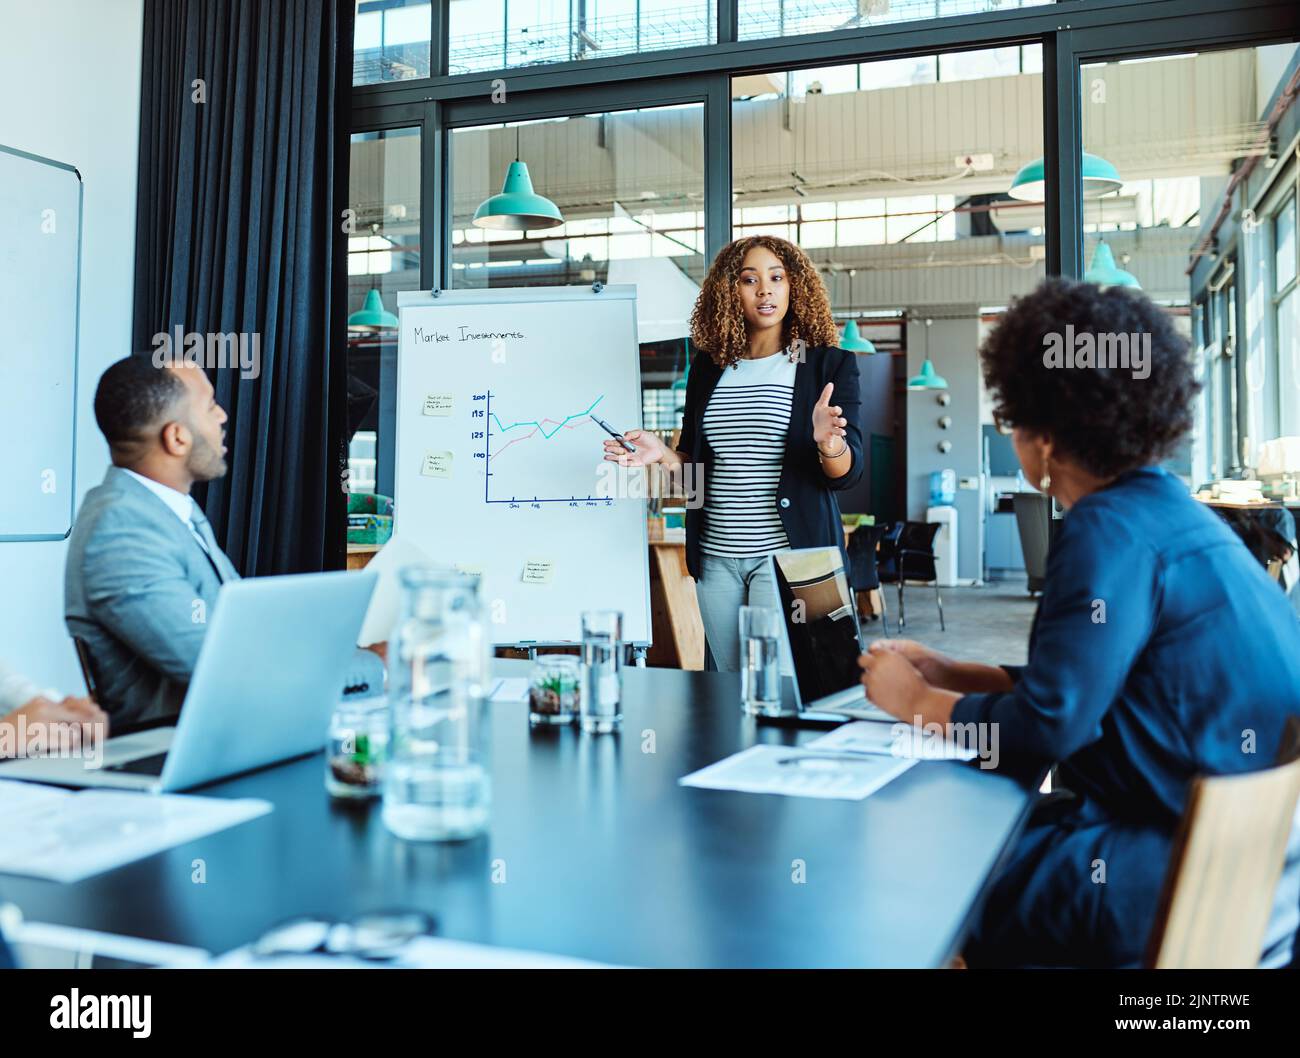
[384,257]
[783,18]
[893,177]
[630,188]
[1284,243]
[628,184]
[391,42]
[495,34]
[894,174]
[1176,147]
[1287,311]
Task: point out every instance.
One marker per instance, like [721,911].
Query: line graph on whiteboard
[529,458]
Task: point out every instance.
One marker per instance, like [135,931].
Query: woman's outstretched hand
[827,420]
[649,449]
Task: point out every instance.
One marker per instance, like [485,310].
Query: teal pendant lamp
[853,340]
[929,378]
[372,316]
[1099,178]
[1106,273]
[518,207]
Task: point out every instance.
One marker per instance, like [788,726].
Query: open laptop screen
[820,619]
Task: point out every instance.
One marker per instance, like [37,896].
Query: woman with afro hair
[1161,650]
[771,427]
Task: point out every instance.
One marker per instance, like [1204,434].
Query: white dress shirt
[180,504]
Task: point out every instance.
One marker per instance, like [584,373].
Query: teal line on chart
[548,436]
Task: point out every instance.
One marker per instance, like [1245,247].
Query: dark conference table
[597,852]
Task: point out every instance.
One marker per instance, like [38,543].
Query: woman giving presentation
[770,429]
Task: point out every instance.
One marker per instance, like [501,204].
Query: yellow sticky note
[436,465]
[438,404]
[538,571]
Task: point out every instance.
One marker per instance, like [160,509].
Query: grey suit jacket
[138,591]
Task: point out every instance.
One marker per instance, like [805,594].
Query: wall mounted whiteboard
[40,277]
[499,465]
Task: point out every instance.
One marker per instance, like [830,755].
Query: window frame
[1283,193]
[1071,33]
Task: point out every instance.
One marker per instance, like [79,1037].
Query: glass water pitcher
[436,781]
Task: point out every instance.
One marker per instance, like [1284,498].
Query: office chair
[1034,521]
[87,672]
[887,552]
[863,575]
[1225,865]
[910,556]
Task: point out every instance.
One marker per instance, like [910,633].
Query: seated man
[144,568]
[21,700]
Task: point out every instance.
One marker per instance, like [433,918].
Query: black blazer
[805,495]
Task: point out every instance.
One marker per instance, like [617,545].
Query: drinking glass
[601,694]
[760,668]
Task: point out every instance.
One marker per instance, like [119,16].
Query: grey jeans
[725,585]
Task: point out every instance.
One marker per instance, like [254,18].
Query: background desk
[604,856]
[677,627]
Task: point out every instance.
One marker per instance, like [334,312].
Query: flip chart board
[499,461]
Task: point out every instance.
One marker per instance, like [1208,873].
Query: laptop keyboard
[141,765]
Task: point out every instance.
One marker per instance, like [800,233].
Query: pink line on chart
[566,426]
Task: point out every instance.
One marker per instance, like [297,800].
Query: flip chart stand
[532,646]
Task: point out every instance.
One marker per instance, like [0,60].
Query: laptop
[823,639]
[269,675]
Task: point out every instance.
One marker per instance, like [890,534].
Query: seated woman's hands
[895,675]
[48,713]
[936,668]
[892,681]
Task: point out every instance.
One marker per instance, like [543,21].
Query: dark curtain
[242,186]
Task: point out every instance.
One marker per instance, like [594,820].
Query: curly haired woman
[761,427]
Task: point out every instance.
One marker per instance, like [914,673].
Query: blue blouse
[1161,650]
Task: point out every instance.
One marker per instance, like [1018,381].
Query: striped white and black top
[745,424]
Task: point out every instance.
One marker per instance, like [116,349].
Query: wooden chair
[1226,862]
